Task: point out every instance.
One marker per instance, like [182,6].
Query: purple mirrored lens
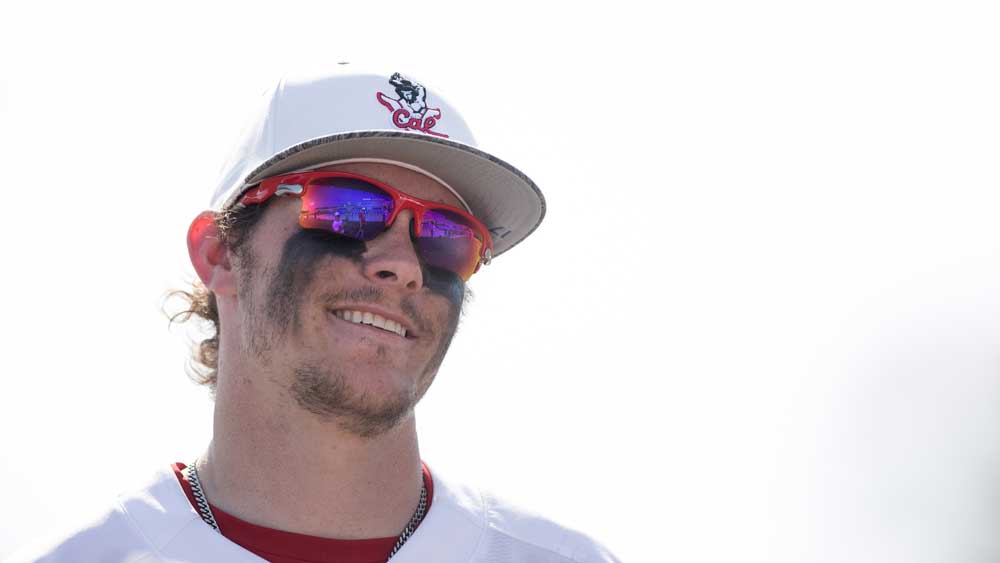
[447,241]
[346,206]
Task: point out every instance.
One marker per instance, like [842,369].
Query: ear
[209,255]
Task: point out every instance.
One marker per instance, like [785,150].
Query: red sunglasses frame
[295,185]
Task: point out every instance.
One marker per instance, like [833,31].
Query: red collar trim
[273,544]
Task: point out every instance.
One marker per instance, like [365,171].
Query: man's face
[295,287]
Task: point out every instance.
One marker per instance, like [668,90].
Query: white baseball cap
[311,122]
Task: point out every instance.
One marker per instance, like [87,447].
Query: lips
[371,319]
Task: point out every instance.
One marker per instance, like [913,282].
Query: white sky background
[761,321]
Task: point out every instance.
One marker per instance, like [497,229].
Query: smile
[366,318]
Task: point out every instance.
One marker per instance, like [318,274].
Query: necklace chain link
[205,511]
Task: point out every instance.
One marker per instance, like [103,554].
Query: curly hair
[235,225]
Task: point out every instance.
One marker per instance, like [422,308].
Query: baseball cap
[308,122]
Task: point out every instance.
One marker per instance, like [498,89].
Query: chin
[367,408]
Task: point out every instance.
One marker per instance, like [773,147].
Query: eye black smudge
[303,252]
[444,283]
[300,256]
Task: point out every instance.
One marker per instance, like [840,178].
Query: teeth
[371,319]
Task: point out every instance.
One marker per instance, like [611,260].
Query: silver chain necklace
[205,511]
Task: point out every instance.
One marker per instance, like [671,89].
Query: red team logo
[410,110]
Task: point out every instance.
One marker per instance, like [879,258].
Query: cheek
[446,284]
[306,247]
[447,310]
[302,254]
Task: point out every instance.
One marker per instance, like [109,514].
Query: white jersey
[157,524]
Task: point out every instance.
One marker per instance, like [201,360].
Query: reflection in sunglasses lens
[346,206]
[356,209]
[447,241]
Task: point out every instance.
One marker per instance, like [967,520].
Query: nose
[391,260]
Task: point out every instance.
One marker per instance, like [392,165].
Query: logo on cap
[410,110]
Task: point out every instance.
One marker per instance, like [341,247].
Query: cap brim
[501,196]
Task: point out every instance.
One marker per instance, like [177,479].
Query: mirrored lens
[448,241]
[346,206]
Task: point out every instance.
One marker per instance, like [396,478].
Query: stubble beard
[323,390]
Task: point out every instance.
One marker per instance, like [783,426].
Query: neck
[273,464]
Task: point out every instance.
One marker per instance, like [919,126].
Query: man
[325,341]
[337,225]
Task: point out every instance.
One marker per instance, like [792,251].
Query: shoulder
[524,528]
[99,538]
[511,533]
[129,530]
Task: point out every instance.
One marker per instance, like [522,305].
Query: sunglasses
[361,208]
